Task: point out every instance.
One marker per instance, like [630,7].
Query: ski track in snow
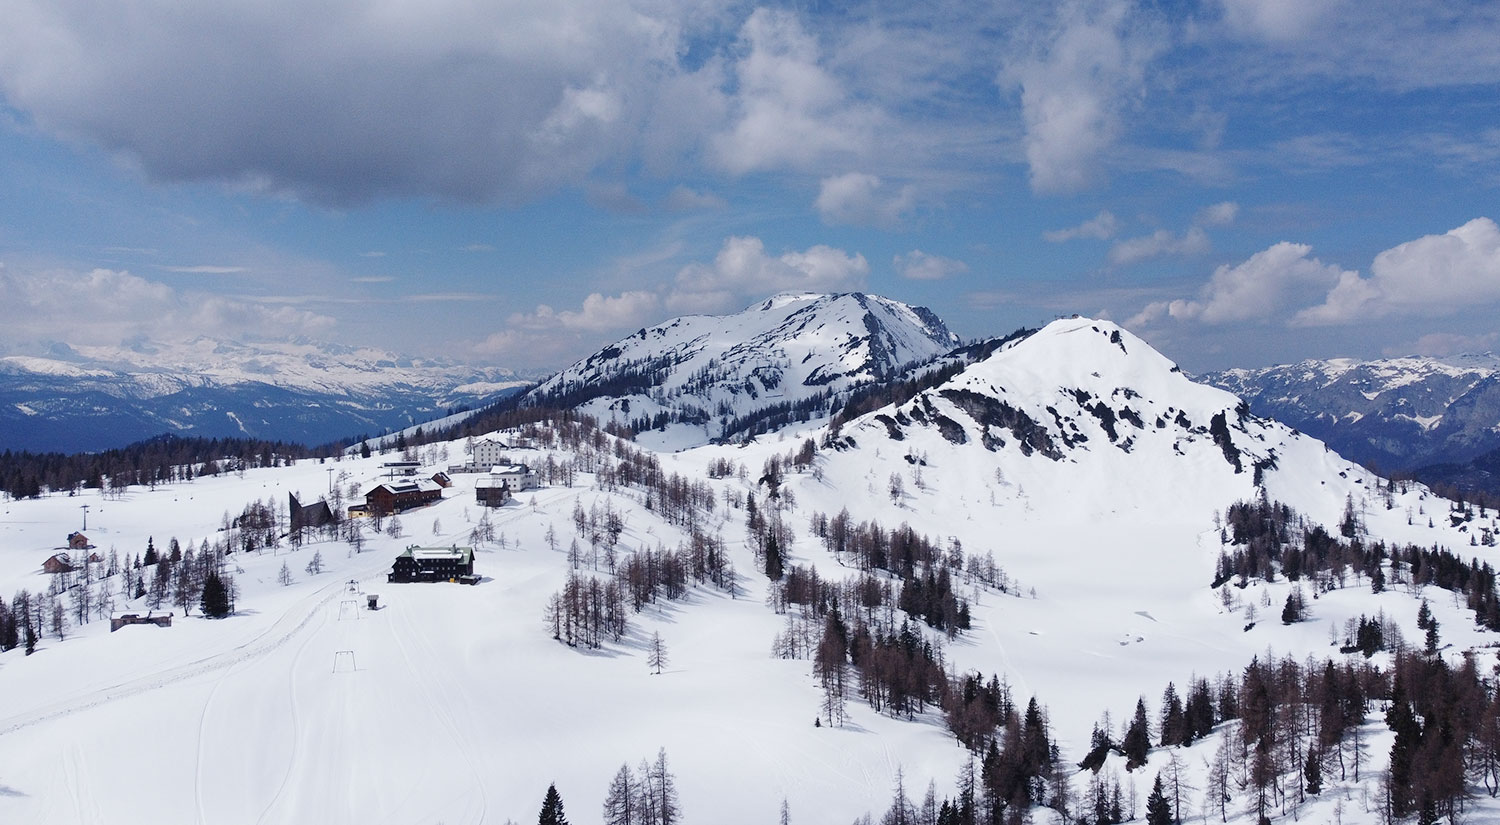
[296,726]
[85,805]
[202,748]
[285,628]
[441,708]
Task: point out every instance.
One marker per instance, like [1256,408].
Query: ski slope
[460,707]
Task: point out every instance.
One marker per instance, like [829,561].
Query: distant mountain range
[1436,418]
[92,398]
[693,380]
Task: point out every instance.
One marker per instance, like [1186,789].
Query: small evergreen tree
[1137,739]
[774,570]
[215,599]
[552,808]
[1312,771]
[1158,810]
[1291,613]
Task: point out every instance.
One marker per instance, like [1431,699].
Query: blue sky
[1242,182]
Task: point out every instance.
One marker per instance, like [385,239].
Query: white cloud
[742,268]
[598,313]
[863,200]
[1157,244]
[920,266]
[1220,214]
[684,199]
[1260,288]
[104,307]
[463,101]
[547,336]
[1081,73]
[1430,276]
[789,111]
[1277,20]
[1101,227]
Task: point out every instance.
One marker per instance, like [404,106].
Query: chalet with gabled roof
[432,564]
[396,496]
[317,514]
[58,563]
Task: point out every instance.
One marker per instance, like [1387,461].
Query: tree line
[1264,539]
[165,459]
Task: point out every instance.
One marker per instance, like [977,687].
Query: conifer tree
[1137,739]
[1312,771]
[774,570]
[552,808]
[215,599]
[1158,810]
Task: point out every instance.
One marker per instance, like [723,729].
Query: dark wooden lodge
[434,564]
[393,497]
[317,514]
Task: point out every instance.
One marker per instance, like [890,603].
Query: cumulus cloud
[1260,288]
[789,110]
[1079,75]
[105,307]
[920,266]
[598,313]
[1157,244]
[1163,242]
[743,268]
[863,200]
[1220,214]
[463,101]
[1431,276]
[546,336]
[1101,227]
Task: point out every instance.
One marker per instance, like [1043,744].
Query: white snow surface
[784,349]
[461,708]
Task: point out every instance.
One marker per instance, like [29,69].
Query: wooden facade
[433,564]
[394,497]
[159,619]
[58,563]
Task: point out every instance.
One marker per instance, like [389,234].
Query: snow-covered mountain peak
[702,376]
[1080,406]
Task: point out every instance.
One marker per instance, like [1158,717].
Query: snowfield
[459,706]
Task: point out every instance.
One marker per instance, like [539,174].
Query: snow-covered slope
[1398,413]
[91,398]
[702,376]
[1079,459]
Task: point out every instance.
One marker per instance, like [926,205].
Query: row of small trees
[192,579]
[647,796]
